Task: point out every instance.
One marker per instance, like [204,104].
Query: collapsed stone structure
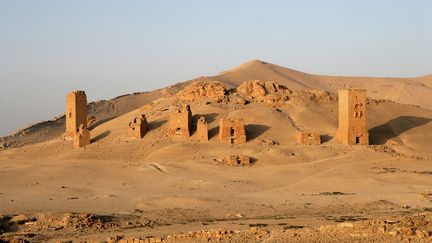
[180,122]
[232,131]
[202,130]
[138,127]
[81,137]
[237,160]
[76,112]
[352,117]
[308,138]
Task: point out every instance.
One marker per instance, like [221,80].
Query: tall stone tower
[76,112]
[352,117]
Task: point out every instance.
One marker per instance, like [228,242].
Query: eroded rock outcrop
[271,93]
[257,89]
[202,91]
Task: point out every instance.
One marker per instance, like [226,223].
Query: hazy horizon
[110,48]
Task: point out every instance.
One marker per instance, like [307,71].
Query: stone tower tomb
[180,122]
[76,112]
[232,131]
[138,127]
[352,117]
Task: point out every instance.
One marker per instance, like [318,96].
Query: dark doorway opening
[232,134]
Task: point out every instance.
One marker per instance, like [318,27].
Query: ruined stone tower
[76,112]
[352,117]
[81,137]
[138,127]
[202,129]
[308,138]
[180,122]
[232,131]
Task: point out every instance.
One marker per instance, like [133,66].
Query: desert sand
[160,188]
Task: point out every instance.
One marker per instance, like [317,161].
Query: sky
[109,48]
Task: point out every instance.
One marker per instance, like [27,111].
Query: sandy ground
[147,194]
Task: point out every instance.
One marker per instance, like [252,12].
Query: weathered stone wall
[352,117]
[180,122]
[76,112]
[81,137]
[232,131]
[202,130]
[138,127]
[308,138]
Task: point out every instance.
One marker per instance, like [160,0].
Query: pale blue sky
[109,48]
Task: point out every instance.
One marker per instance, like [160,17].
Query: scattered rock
[80,220]
[267,142]
[346,224]
[21,219]
[423,234]
[237,160]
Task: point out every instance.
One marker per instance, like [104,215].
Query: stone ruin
[138,127]
[232,131]
[81,137]
[236,160]
[267,142]
[308,138]
[203,90]
[202,130]
[352,120]
[352,117]
[180,122]
[76,112]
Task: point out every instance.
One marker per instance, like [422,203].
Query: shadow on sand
[255,130]
[100,122]
[325,138]
[100,136]
[393,128]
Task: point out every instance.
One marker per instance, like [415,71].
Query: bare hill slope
[416,91]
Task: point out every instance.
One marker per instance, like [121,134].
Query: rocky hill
[262,80]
